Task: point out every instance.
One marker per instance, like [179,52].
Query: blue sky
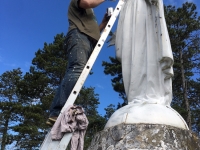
[26,24]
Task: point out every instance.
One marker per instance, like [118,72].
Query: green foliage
[37,91]
[51,61]
[114,69]
[184,27]
[109,111]
[31,130]
[10,104]
[32,94]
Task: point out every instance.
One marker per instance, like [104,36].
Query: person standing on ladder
[82,36]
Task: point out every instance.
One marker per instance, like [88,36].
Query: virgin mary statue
[144,49]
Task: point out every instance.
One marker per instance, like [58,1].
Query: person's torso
[83,19]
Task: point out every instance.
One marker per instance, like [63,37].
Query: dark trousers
[79,49]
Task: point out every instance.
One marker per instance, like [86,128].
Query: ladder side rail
[64,141]
[46,141]
[53,145]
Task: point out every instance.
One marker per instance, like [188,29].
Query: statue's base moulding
[147,114]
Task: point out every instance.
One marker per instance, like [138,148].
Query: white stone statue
[143,47]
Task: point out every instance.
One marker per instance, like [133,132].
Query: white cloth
[73,120]
[144,49]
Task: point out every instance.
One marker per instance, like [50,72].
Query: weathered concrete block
[145,137]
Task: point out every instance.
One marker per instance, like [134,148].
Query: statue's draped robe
[144,49]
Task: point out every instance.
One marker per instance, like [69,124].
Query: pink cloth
[73,120]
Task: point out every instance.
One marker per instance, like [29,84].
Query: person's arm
[85,4]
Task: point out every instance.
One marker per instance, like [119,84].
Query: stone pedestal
[145,137]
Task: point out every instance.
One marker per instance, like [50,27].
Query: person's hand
[104,21]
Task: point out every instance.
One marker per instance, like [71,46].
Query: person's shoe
[51,121]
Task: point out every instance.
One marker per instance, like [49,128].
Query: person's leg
[79,50]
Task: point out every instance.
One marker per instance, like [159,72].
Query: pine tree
[114,69]
[37,89]
[184,28]
[10,105]
[109,111]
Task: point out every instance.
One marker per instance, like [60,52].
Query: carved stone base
[145,137]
